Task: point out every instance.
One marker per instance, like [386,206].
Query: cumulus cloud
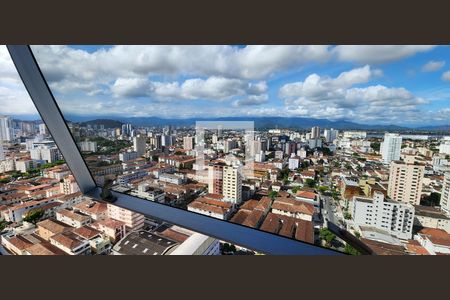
[370,54]
[252,100]
[315,86]
[446,76]
[251,62]
[433,66]
[14,99]
[122,80]
[212,88]
[337,98]
[8,73]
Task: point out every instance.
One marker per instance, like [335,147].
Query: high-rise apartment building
[2,152]
[126,129]
[445,194]
[315,132]
[444,147]
[155,141]
[139,145]
[405,182]
[215,138]
[215,179]
[6,129]
[43,129]
[232,184]
[88,146]
[188,143]
[330,135]
[229,145]
[390,148]
[165,140]
[396,218]
[291,147]
[48,154]
[255,147]
[69,186]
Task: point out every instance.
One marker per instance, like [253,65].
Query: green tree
[310,182]
[323,189]
[350,250]
[327,152]
[347,215]
[295,189]
[34,215]
[273,194]
[326,235]
[284,173]
[433,199]
[375,146]
[3,225]
[5,180]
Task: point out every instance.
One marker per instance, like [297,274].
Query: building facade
[390,148]
[232,184]
[394,217]
[405,182]
[445,194]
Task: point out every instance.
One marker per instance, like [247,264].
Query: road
[330,215]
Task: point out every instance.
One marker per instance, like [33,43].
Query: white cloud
[370,54]
[433,65]
[326,87]
[251,62]
[120,80]
[16,102]
[14,99]
[252,100]
[337,98]
[446,76]
[212,88]
[8,73]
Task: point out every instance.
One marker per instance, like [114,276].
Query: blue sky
[403,85]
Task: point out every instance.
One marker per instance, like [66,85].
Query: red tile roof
[306,194]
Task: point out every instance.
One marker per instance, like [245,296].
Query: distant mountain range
[260,123]
[108,123]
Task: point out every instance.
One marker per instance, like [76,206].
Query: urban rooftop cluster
[390,190]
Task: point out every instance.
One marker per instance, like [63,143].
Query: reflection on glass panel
[337,135]
[43,212]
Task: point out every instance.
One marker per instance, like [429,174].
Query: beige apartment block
[405,182]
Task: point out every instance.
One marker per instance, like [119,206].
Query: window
[131,111]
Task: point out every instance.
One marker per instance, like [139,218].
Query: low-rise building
[114,229]
[212,205]
[435,241]
[293,208]
[99,242]
[71,243]
[133,221]
[96,210]
[73,218]
[431,217]
[49,227]
[145,191]
[144,243]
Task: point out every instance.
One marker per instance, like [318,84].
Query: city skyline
[383,85]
